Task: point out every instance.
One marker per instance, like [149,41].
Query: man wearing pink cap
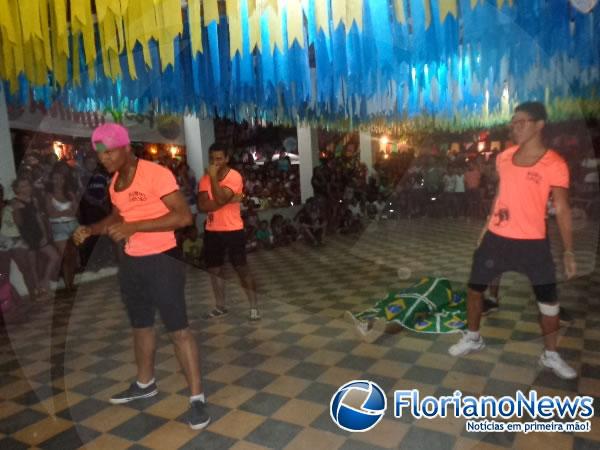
[148,207]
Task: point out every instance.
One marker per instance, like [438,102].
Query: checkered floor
[269,384]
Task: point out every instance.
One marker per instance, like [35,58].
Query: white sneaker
[366,331]
[254,314]
[553,361]
[466,345]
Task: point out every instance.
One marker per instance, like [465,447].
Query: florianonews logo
[358,405]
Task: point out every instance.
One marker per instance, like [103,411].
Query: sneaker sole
[465,353]
[200,425]
[489,311]
[120,401]
[562,377]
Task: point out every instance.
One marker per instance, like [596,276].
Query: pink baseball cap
[110,135]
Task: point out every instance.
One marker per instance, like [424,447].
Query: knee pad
[549,310]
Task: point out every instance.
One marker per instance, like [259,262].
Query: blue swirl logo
[358,406]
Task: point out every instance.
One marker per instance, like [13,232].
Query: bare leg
[22,259]
[144,344]
[474,309]
[550,326]
[218,285]
[494,288]
[69,264]
[32,261]
[186,351]
[60,249]
[248,283]
[52,264]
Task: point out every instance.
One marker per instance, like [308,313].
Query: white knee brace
[549,310]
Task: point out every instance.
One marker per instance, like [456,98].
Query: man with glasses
[515,236]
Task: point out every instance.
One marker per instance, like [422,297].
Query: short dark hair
[536,110]
[218,147]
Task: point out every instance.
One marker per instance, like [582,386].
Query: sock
[550,353]
[473,335]
[195,398]
[493,299]
[145,385]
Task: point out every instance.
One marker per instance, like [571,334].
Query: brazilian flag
[429,306]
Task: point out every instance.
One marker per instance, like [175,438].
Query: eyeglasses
[519,123]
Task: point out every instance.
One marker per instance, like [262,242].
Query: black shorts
[154,282]
[219,243]
[531,257]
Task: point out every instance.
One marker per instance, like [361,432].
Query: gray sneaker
[198,417]
[134,392]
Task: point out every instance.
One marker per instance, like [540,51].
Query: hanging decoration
[444,63]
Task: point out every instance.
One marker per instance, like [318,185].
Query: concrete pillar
[7,160]
[308,151]
[366,150]
[199,136]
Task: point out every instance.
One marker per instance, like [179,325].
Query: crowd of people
[48,200]
[43,223]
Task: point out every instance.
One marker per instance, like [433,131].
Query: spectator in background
[459,191]
[192,246]
[33,228]
[93,207]
[284,163]
[14,244]
[61,206]
[264,236]
[312,223]
[473,192]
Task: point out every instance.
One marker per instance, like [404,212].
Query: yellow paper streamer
[400,12]
[195,21]
[211,12]
[75,61]
[82,23]
[427,8]
[322,16]
[295,23]
[17,46]
[255,31]
[46,42]
[135,30]
[273,4]
[338,12]
[275,31]
[354,13]
[448,7]
[235,27]
[60,40]
[500,3]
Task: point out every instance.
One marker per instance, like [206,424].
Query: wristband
[568,252]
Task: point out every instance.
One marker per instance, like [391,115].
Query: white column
[199,136]
[308,151]
[366,150]
[7,160]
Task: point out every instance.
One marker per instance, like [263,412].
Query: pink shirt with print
[228,217]
[520,209]
[142,200]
